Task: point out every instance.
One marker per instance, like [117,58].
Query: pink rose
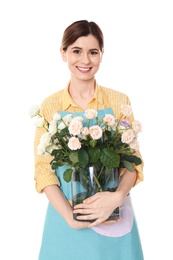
[75,127]
[109,119]
[90,113]
[95,132]
[134,145]
[137,126]
[74,143]
[127,136]
[126,110]
[85,131]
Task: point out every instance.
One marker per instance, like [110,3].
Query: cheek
[72,59]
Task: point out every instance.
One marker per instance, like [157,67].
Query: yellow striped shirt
[62,101]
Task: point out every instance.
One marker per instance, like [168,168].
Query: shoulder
[53,97]
[116,99]
[52,104]
[113,94]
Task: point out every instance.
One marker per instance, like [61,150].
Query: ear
[63,54]
[102,54]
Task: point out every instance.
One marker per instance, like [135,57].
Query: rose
[134,145]
[40,122]
[67,119]
[137,126]
[95,132]
[50,148]
[90,113]
[56,117]
[61,126]
[45,141]
[85,131]
[34,111]
[109,120]
[127,136]
[75,126]
[52,127]
[74,143]
[126,110]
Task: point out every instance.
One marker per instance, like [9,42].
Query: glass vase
[87,181]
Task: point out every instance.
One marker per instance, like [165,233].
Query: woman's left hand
[99,207]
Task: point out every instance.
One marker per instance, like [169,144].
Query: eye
[77,51]
[93,52]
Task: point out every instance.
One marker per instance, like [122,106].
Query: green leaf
[94,154]
[67,175]
[74,157]
[64,132]
[128,166]
[132,158]
[83,158]
[92,143]
[110,158]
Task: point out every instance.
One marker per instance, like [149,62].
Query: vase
[88,181]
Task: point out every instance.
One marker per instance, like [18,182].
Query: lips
[82,69]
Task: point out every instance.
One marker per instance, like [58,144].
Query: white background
[138,60]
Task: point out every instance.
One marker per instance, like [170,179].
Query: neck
[82,92]
[82,88]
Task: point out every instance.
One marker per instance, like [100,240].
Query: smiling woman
[82,49]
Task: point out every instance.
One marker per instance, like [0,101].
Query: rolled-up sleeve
[44,175]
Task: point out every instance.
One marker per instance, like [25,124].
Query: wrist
[119,197]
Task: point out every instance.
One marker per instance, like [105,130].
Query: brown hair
[79,29]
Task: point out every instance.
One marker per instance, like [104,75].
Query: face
[83,57]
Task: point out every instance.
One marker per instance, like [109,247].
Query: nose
[85,58]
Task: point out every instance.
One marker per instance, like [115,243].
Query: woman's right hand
[78,224]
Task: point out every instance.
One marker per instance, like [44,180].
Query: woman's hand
[78,224]
[99,206]
[60,203]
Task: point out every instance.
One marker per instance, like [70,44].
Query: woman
[63,237]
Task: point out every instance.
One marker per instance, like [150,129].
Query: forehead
[86,42]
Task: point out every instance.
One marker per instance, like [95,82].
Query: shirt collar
[68,101]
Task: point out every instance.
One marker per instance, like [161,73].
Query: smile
[83,69]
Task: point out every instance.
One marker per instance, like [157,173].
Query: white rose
[95,132]
[61,126]
[52,147]
[90,113]
[134,145]
[40,122]
[85,130]
[56,117]
[45,139]
[41,148]
[74,143]
[75,127]
[79,118]
[52,127]
[126,110]
[127,136]
[67,119]
[34,111]
[109,119]
[137,126]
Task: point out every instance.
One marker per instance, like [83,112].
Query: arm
[60,203]
[102,204]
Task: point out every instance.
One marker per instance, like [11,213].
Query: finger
[90,199]
[108,222]
[80,206]
[96,223]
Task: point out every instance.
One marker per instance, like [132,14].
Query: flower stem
[98,184]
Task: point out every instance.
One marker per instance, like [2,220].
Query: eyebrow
[94,49]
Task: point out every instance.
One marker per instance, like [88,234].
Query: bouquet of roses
[108,142]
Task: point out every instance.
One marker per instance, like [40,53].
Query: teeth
[84,69]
